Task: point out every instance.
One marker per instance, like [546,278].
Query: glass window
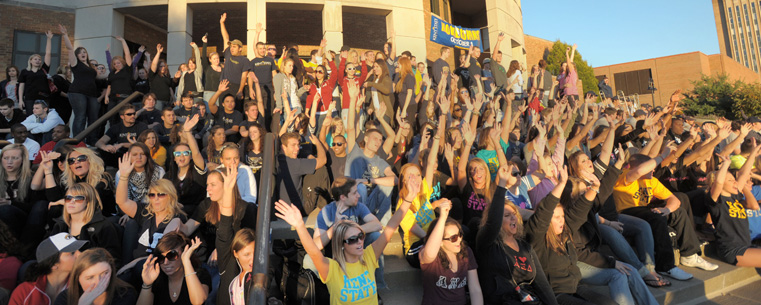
[435,7]
[26,44]
[446,11]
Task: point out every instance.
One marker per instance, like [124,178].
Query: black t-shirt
[731,221]
[160,86]
[190,83]
[183,114]
[474,69]
[263,68]
[18,117]
[150,233]
[521,264]
[439,66]
[162,294]
[191,190]
[290,175]
[234,68]
[35,83]
[243,217]
[228,120]
[407,84]
[121,82]
[473,204]
[119,133]
[84,80]
[163,133]
[337,165]
[143,85]
[150,117]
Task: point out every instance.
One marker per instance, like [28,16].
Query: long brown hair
[490,187]
[88,259]
[339,234]
[405,69]
[213,213]
[442,256]
[514,66]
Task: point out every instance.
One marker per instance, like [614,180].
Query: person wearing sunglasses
[351,262]
[117,139]
[83,220]
[83,165]
[337,146]
[347,75]
[446,256]
[513,270]
[186,168]
[321,92]
[173,275]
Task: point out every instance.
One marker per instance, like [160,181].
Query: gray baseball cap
[55,244]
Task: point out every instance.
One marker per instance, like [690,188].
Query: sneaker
[697,262]
[677,274]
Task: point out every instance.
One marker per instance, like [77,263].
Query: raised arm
[433,244]
[291,214]
[223,29]
[744,175]
[187,130]
[729,148]
[637,172]
[388,144]
[607,146]
[126,166]
[718,184]
[72,56]
[707,148]
[155,62]
[462,167]
[48,47]
[351,130]
[223,86]
[125,47]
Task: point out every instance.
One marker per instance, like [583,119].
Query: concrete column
[179,34]
[332,24]
[256,12]
[95,28]
[505,16]
[408,25]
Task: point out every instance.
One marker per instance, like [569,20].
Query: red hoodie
[345,98]
[326,91]
[32,293]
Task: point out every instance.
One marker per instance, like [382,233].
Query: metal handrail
[102,120]
[258,292]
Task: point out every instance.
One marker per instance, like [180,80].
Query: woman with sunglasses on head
[448,264]
[93,281]
[143,172]
[82,219]
[351,262]
[172,275]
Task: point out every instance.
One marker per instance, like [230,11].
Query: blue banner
[450,35]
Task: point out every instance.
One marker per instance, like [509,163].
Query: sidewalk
[748,294]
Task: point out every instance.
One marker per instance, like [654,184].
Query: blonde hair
[24,176]
[95,175]
[490,187]
[167,187]
[91,198]
[29,61]
[337,246]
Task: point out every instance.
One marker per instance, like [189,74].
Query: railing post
[107,116]
[258,292]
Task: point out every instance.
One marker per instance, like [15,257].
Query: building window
[26,44]
[736,49]
[742,36]
[435,7]
[751,39]
[446,11]
[633,81]
[485,40]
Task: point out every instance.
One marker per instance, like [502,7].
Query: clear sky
[618,31]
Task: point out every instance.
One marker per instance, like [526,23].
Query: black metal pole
[102,120]
[258,292]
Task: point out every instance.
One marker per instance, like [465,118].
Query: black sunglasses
[69,198]
[355,239]
[170,256]
[515,174]
[129,114]
[454,238]
[319,71]
[81,158]
[153,195]
[338,143]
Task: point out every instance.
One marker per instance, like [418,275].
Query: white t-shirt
[518,86]
[31,146]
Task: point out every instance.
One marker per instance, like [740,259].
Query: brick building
[670,73]
[359,24]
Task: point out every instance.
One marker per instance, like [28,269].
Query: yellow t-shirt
[422,214]
[637,193]
[357,286]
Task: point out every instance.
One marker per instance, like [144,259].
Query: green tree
[718,96]
[556,58]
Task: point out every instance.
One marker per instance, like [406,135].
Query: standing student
[236,66]
[9,87]
[265,69]
[83,92]
[212,71]
[160,79]
[190,80]
[120,82]
[33,81]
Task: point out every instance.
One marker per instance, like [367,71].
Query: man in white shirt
[40,124]
[19,134]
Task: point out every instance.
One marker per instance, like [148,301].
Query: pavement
[749,294]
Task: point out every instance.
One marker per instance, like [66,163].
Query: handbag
[51,85]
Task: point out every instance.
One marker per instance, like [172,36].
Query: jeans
[215,277]
[584,296]
[378,201]
[621,248]
[624,289]
[642,237]
[85,110]
[206,97]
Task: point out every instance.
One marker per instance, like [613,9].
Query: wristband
[145,286]
[189,274]
[658,160]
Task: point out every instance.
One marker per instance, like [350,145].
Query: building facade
[359,24]
[737,25]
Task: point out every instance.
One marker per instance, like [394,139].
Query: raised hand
[621,154]
[563,176]
[259,27]
[159,49]
[49,34]
[745,129]
[444,206]
[205,38]
[289,213]
[676,97]
[224,85]
[190,123]
[151,269]
[125,164]
[47,159]
[131,139]
[504,173]
[187,253]
[468,134]
[62,29]
[141,49]
[448,152]
[192,43]
[119,38]
[231,177]
[223,18]
[382,109]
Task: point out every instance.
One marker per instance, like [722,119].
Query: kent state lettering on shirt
[476,203]
[643,195]
[358,288]
[127,135]
[228,121]
[453,282]
[736,210]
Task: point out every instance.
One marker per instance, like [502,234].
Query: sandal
[658,282]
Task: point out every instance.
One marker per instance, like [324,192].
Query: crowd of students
[472,165]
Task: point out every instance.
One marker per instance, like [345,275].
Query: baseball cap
[345,48]
[237,42]
[754,119]
[55,244]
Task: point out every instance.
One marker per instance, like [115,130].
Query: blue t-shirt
[522,199]
[328,215]
[490,156]
[754,217]
[359,166]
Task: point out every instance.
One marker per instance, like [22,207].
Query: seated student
[165,128]
[59,132]
[345,207]
[83,165]
[252,148]
[83,219]
[228,118]
[11,116]
[186,108]
[638,194]
[205,122]
[142,172]
[173,275]
[149,114]
[214,144]
[116,140]
[352,263]
[95,268]
[253,115]
[246,180]
[48,276]
[150,139]
[10,258]
[235,247]
[42,121]
[291,169]
[728,211]
[187,169]
[19,135]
